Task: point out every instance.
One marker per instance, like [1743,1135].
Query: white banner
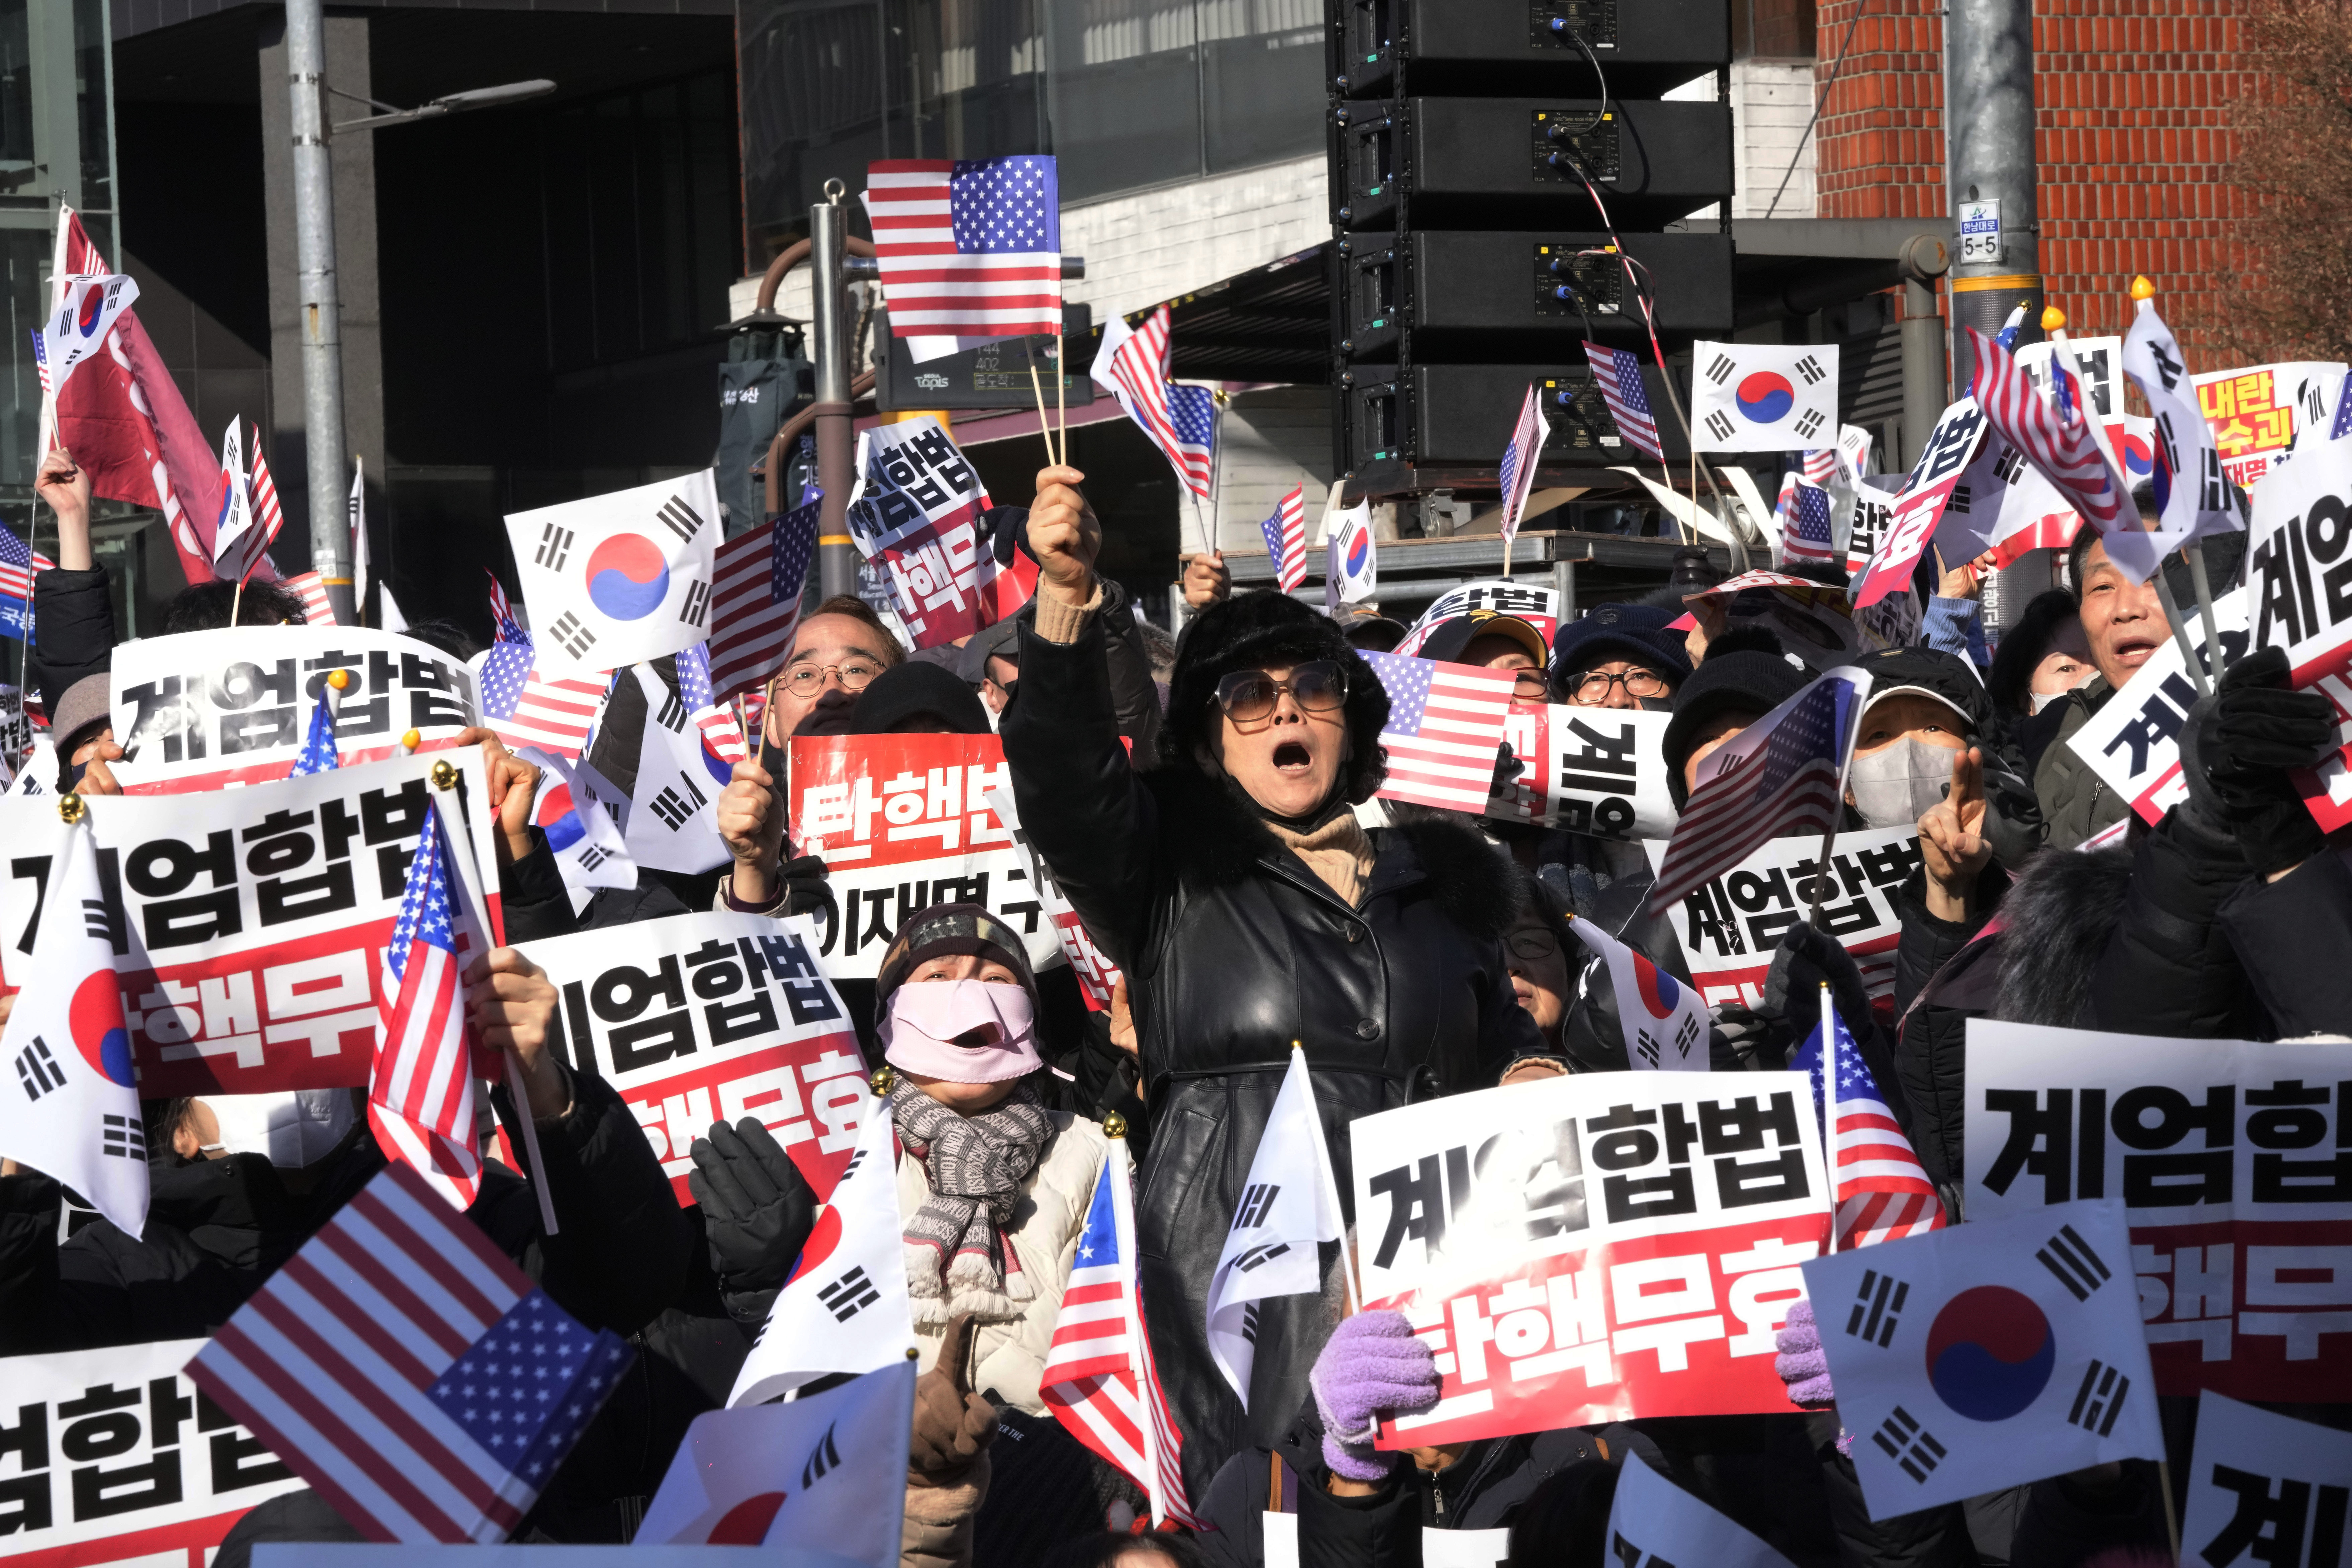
[111,1456]
[621,578]
[902,823]
[1590,1249]
[1600,771]
[2298,593]
[202,710]
[2263,1486]
[712,1017]
[2229,1158]
[249,925]
[1730,928]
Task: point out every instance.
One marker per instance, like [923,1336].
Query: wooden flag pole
[2142,293]
[1061,396]
[1045,429]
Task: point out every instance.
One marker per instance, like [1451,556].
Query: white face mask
[2044,698]
[293,1128]
[1895,788]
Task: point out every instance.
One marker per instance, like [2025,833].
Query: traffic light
[1502,174]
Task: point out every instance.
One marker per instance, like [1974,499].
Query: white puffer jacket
[1008,1356]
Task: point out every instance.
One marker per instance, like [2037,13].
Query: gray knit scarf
[958,1259]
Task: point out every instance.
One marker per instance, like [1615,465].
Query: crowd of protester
[1208,808]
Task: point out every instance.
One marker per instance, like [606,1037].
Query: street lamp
[452,103]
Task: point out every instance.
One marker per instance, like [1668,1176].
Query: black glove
[805,889]
[1507,767]
[2236,748]
[756,1207]
[1805,960]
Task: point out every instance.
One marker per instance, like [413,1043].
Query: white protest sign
[248,925]
[1096,972]
[914,515]
[203,710]
[1654,1523]
[2257,411]
[2133,743]
[1593,1249]
[1730,928]
[2262,1485]
[113,1456]
[902,823]
[1919,509]
[2298,593]
[2228,1158]
[1987,1354]
[621,578]
[2101,360]
[712,1017]
[1534,602]
[1600,771]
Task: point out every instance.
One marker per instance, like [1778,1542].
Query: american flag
[1100,1351]
[318,610]
[1619,375]
[1446,724]
[1805,530]
[18,563]
[524,708]
[247,549]
[756,596]
[508,625]
[1519,460]
[421,1087]
[409,1373]
[319,754]
[2060,445]
[1821,465]
[1180,420]
[1780,775]
[715,719]
[1882,1191]
[967,247]
[1285,539]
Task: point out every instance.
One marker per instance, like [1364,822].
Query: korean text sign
[712,1017]
[1600,771]
[2234,1164]
[1533,603]
[902,823]
[2132,742]
[249,924]
[2255,412]
[1590,1249]
[109,1455]
[231,706]
[1729,928]
[2298,594]
[915,514]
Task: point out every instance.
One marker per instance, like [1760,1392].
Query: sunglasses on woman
[1318,686]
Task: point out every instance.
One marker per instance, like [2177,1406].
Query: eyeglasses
[1530,684]
[1248,695]
[808,680]
[1533,945]
[1591,688]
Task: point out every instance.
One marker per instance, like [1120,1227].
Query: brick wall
[2132,123]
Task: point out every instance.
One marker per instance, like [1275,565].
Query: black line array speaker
[1494,165]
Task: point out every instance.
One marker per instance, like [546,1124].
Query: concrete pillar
[355,264]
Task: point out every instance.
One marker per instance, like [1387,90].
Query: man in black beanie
[1746,675]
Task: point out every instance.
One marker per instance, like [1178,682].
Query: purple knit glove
[1370,1364]
[1800,1364]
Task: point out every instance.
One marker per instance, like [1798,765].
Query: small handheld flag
[420,1090]
[1664,1021]
[1882,1191]
[969,249]
[1619,375]
[1285,540]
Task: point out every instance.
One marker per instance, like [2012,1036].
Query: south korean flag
[581,812]
[1764,398]
[844,1309]
[621,578]
[1988,1355]
[1664,1021]
[1289,1206]
[72,1112]
[673,818]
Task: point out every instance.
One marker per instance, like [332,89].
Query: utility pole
[322,311]
[1988,161]
[836,431]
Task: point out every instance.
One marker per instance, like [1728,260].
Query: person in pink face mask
[993,1188]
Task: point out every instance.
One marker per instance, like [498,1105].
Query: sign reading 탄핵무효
[1593,1249]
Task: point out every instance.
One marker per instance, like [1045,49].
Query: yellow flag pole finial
[341,680]
[2053,318]
[2141,288]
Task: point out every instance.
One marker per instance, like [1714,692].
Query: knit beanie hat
[1634,632]
[1745,669]
[947,930]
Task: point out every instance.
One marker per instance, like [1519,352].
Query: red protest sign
[916,514]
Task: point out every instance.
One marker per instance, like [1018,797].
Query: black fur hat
[1254,631]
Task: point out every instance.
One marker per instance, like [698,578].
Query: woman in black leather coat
[1248,910]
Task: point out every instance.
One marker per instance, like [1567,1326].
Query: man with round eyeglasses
[1620,656]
